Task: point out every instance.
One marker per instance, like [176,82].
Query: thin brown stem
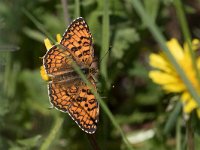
[93,141]
[190,135]
[65,11]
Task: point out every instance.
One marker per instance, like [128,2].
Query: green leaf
[34,34]
[123,39]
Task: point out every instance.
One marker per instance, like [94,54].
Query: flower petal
[170,83]
[174,88]
[185,97]
[43,74]
[198,63]
[189,104]
[47,43]
[175,49]
[195,45]
[198,112]
[157,61]
[161,77]
[58,38]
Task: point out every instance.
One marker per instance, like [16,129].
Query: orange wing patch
[57,60]
[78,40]
[78,101]
[67,91]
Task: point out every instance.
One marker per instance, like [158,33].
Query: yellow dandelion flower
[165,74]
[48,45]
[43,74]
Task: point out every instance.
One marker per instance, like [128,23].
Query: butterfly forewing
[78,40]
[57,60]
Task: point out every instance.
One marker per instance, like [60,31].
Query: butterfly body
[67,91]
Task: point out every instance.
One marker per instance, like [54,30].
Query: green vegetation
[135,113]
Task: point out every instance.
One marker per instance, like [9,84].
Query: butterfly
[66,89]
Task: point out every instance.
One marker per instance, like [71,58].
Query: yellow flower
[165,74]
[48,45]
[43,74]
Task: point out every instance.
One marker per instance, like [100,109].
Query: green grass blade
[172,118]
[53,133]
[7,72]
[77,8]
[105,41]
[65,11]
[38,24]
[186,33]
[161,40]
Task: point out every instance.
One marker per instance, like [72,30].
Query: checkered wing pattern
[67,91]
[78,102]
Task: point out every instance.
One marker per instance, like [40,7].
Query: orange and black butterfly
[67,91]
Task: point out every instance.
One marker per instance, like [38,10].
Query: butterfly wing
[78,40]
[78,102]
[76,45]
[67,91]
[57,60]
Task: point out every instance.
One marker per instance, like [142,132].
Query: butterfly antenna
[105,54]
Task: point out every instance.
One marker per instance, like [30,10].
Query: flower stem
[190,134]
[105,41]
[178,134]
[93,141]
[186,33]
[77,8]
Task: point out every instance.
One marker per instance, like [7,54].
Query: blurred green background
[139,106]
